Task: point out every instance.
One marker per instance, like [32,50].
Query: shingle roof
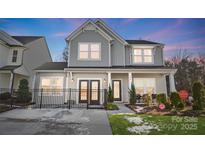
[6,38]
[9,67]
[141,42]
[52,66]
[26,39]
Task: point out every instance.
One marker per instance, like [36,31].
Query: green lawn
[162,125]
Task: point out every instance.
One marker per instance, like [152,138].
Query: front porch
[10,77]
[88,86]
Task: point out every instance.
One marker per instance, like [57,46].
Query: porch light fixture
[72,80]
[104,80]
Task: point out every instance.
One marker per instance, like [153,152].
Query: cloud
[60,34]
[192,44]
[167,32]
[129,20]
[74,22]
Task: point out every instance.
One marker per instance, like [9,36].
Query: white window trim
[89,51]
[143,62]
[50,77]
[145,88]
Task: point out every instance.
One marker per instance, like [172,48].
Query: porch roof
[9,67]
[52,66]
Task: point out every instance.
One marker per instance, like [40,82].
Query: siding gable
[89,36]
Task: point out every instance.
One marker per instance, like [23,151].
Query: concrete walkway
[122,109]
[55,121]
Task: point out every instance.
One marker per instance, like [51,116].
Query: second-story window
[14,56]
[142,56]
[89,51]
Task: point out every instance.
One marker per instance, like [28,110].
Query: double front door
[89,91]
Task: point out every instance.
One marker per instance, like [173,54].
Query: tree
[188,70]
[132,93]
[198,95]
[65,54]
[23,94]
[110,95]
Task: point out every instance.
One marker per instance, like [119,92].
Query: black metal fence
[69,98]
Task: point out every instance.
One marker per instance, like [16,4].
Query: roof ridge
[8,36]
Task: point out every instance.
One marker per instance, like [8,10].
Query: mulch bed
[154,110]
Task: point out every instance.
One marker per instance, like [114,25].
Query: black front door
[89,91]
[116,86]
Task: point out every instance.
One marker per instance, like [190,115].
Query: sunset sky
[174,33]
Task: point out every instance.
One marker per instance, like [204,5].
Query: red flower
[161,106]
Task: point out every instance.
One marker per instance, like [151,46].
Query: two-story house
[19,55]
[99,58]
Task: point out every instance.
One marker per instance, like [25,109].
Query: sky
[186,34]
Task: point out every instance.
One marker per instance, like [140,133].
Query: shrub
[147,99]
[110,95]
[180,105]
[23,94]
[198,96]
[111,106]
[161,98]
[168,106]
[175,99]
[5,96]
[132,94]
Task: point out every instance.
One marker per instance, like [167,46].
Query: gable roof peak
[89,21]
[9,40]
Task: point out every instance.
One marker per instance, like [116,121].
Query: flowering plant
[161,106]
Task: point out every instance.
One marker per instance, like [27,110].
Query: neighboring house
[99,58]
[19,55]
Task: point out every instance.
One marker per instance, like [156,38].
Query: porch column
[11,82]
[129,80]
[66,90]
[172,82]
[109,80]
[33,87]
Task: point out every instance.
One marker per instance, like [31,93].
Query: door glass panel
[94,85]
[116,89]
[83,90]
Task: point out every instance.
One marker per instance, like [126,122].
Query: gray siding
[158,56]
[4,53]
[89,36]
[120,55]
[35,55]
[117,53]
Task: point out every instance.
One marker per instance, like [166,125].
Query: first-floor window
[145,85]
[52,86]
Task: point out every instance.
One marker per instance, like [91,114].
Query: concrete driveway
[55,121]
